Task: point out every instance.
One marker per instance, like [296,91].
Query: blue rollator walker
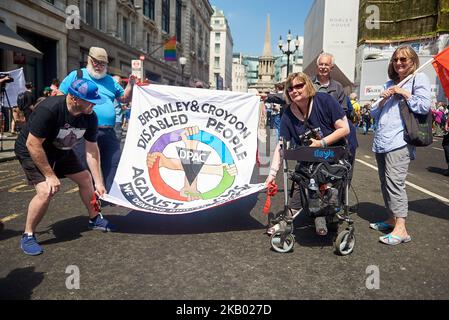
[322,179]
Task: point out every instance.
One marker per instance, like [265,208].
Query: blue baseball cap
[87,90]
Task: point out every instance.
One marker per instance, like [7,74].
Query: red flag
[441,65]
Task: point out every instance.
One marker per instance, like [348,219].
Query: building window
[217,48]
[217,62]
[102,15]
[178,20]
[217,36]
[192,22]
[148,8]
[147,42]
[133,34]
[83,57]
[51,1]
[125,32]
[166,15]
[90,12]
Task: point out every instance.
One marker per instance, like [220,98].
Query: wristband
[323,143]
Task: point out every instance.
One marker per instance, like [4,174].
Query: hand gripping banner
[186,150]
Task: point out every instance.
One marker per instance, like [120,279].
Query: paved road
[224,254]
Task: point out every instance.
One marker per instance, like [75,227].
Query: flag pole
[400,84]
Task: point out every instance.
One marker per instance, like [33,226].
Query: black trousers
[445,145]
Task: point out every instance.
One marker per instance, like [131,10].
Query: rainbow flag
[170,49]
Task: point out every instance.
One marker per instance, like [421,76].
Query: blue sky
[247,20]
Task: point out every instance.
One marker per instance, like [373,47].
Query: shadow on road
[7,233]
[230,217]
[373,212]
[437,170]
[234,216]
[20,283]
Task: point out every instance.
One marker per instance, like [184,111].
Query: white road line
[10,217]
[368,157]
[430,193]
[439,149]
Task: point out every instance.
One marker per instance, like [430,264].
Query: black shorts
[68,164]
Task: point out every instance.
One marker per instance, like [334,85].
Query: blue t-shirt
[325,112]
[107,87]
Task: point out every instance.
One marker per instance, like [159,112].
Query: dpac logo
[190,164]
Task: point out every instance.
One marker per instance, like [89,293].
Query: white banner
[14,88]
[187,150]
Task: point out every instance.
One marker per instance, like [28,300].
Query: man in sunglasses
[110,89]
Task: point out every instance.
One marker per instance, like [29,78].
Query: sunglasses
[297,86]
[402,59]
[98,62]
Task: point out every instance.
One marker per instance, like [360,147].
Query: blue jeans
[277,123]
[110,154]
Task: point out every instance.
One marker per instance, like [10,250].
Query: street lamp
[288,52]
[182,62]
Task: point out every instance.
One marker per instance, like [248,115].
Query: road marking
[439,149]
[11,185]
[11,177]
[20,187]
[10,217]
[368,157]
[72,190]
[430,193]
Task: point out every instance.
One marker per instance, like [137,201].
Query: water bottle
[314,197]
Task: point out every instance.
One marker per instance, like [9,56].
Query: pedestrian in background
[356,108]
[54,87]
[445,144]
[393,154]
[366,117]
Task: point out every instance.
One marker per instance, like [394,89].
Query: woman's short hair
[309,88]
[409,53]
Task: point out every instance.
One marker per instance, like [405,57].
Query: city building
[221,47]
[332,27]
[239,78]
[252,65]
[127,29]
[385,25]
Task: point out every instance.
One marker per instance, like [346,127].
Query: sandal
[320,226]
[381,226]
[392,240]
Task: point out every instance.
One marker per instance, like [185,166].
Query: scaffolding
[403,20]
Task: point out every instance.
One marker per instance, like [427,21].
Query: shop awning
[10,40]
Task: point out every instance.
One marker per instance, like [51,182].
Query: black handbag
[418,127]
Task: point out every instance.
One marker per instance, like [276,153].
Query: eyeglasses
[98,62]
[402,59]
[297,86]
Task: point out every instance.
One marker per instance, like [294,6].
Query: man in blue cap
[44,149]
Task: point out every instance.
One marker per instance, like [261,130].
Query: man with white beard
[108,144]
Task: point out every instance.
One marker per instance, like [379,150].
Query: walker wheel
[282,246]
[344,244]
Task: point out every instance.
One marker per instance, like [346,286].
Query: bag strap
[79,73]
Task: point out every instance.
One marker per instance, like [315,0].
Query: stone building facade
[127,29]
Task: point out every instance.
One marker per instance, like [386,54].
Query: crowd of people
[74,131]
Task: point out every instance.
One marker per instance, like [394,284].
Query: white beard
[94,74]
